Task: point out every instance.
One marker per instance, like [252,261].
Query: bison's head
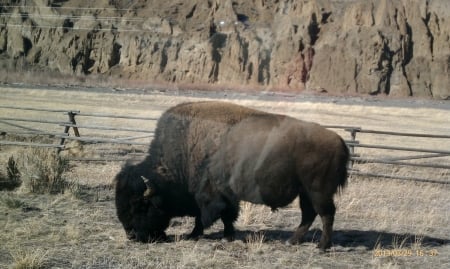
[140,208]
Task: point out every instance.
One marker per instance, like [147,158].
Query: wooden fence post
[71,115]
[72,120]
[351,147]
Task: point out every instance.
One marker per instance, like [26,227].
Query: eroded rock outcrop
[392,47]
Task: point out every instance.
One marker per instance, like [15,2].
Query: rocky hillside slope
[392,47]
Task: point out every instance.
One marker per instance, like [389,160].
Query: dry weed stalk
[252,214]
[398,242]
[255,241]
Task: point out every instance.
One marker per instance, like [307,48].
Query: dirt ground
[380,223]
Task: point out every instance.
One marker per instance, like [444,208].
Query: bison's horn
[150,190]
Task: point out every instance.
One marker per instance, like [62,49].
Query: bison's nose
[131,235]
[159,236]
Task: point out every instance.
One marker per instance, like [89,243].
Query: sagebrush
[43,171]
[12,179]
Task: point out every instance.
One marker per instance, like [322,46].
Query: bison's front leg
[228,229]
[221,207]
[198,229]
[229,216]
[211,204]
[210,208]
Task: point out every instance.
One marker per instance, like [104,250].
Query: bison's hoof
[323,246]
[194,237]
[228,239]
[131,236]
[292,241]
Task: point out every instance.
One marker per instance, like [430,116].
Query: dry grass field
[380,223]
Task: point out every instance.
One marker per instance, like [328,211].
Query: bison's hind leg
[327,216]
[324,206]
[311,204]
[308,216]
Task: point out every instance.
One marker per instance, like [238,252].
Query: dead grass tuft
[255,241]
[43,171]
[252,214]
[34,259]
[10,201]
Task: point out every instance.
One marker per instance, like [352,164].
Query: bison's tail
[342,173]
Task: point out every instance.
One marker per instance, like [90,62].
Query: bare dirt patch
[380,223]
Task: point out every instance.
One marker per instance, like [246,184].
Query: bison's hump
[217,111]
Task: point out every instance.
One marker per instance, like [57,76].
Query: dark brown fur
[208,156]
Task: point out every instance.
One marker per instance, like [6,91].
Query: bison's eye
[138,206]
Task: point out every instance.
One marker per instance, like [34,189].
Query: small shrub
[12,170]
[43,171]
[76,190]
[12,179]
[11,202]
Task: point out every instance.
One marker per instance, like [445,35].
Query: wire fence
[62,129]
[132,142]
[129,22]
[25,5]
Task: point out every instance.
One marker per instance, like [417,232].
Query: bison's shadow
[348,238]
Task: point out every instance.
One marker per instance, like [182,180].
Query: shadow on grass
[347,238]
[99,193]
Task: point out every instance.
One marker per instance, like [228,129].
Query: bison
[205,157]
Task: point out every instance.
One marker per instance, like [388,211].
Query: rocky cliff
[392,47]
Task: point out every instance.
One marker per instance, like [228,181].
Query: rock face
[392,47]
